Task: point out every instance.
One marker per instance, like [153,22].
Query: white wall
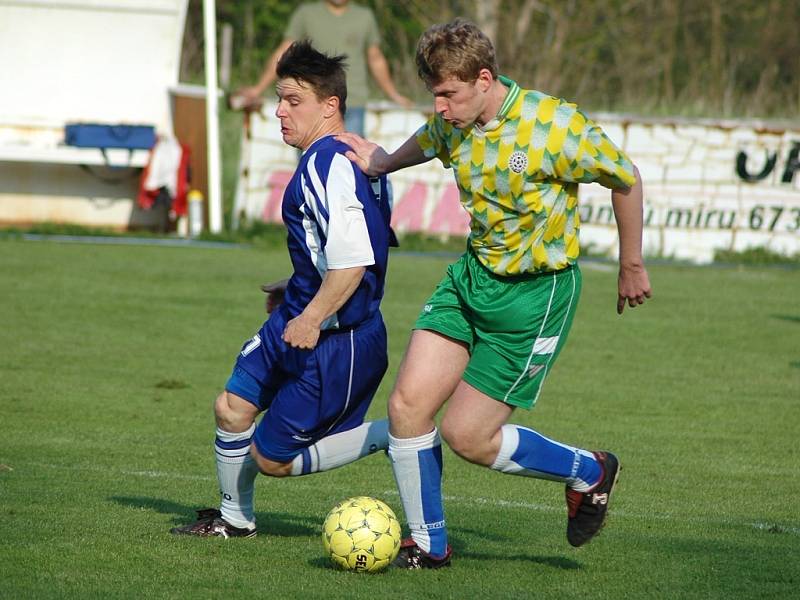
[89,60]
[102,61]
[695,201]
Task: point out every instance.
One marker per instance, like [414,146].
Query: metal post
[212,120]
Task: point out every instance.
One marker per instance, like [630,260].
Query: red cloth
[167,172]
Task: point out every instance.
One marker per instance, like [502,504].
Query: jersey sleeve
[341,218]
[586,153]
[431,138]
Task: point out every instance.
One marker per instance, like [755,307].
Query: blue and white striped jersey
[336,218]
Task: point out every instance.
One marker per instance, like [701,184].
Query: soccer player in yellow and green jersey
[518,177]
[490,332]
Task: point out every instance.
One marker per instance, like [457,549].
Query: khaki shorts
[515,326]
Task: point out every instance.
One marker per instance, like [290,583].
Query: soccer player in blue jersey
[490,333]
[316,363]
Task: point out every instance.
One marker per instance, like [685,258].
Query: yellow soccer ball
[361,534]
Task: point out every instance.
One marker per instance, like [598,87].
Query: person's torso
[309,204]
[518,178]
[348,33]
[522,219]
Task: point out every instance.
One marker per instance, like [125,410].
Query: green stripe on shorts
[515,326]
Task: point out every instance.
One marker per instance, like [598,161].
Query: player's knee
[401,406]
[228,417]
[455,439]
[469,445]
[465,448]
[269,467]
[223,412]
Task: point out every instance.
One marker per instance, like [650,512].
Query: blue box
[98,135]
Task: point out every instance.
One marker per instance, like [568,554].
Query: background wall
[709,184]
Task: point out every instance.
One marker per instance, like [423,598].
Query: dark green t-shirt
[350,33]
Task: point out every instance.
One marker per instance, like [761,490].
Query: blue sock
[417,465]
[528,453]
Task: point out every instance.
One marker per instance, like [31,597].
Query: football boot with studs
[210,523]
[412,556]
[586,511]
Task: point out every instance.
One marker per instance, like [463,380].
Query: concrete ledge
[117,157]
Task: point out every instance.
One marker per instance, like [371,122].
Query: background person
[337,27]
[316,363]
[492,329]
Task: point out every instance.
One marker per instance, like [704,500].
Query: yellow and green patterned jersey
[518,178]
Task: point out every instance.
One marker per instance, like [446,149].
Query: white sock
[342,448]
[417,466]
[236,472]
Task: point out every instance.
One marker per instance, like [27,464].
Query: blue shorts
[308,394]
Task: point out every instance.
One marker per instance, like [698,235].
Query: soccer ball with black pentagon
[361,534]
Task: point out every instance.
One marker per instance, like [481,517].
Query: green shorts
[515,327]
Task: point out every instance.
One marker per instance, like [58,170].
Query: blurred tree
[714,58]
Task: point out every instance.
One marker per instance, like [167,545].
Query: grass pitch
[111,356]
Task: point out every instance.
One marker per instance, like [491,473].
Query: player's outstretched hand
[367,156]
[634,286]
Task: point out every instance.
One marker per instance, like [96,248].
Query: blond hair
[457,49]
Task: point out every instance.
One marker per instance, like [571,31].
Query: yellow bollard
[195,200]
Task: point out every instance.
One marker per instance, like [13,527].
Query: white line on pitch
[475,500]
[468,500]
[597,266]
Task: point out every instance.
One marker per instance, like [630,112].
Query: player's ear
[330,107]
[485,79]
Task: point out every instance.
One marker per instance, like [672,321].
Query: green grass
[111,356]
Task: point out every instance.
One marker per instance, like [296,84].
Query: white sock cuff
[228,436]
[428,440]
[509,442]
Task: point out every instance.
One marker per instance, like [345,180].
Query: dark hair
[325,74]
[457,49]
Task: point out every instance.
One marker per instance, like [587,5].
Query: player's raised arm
[374,160]
[633,283]
[379,67]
